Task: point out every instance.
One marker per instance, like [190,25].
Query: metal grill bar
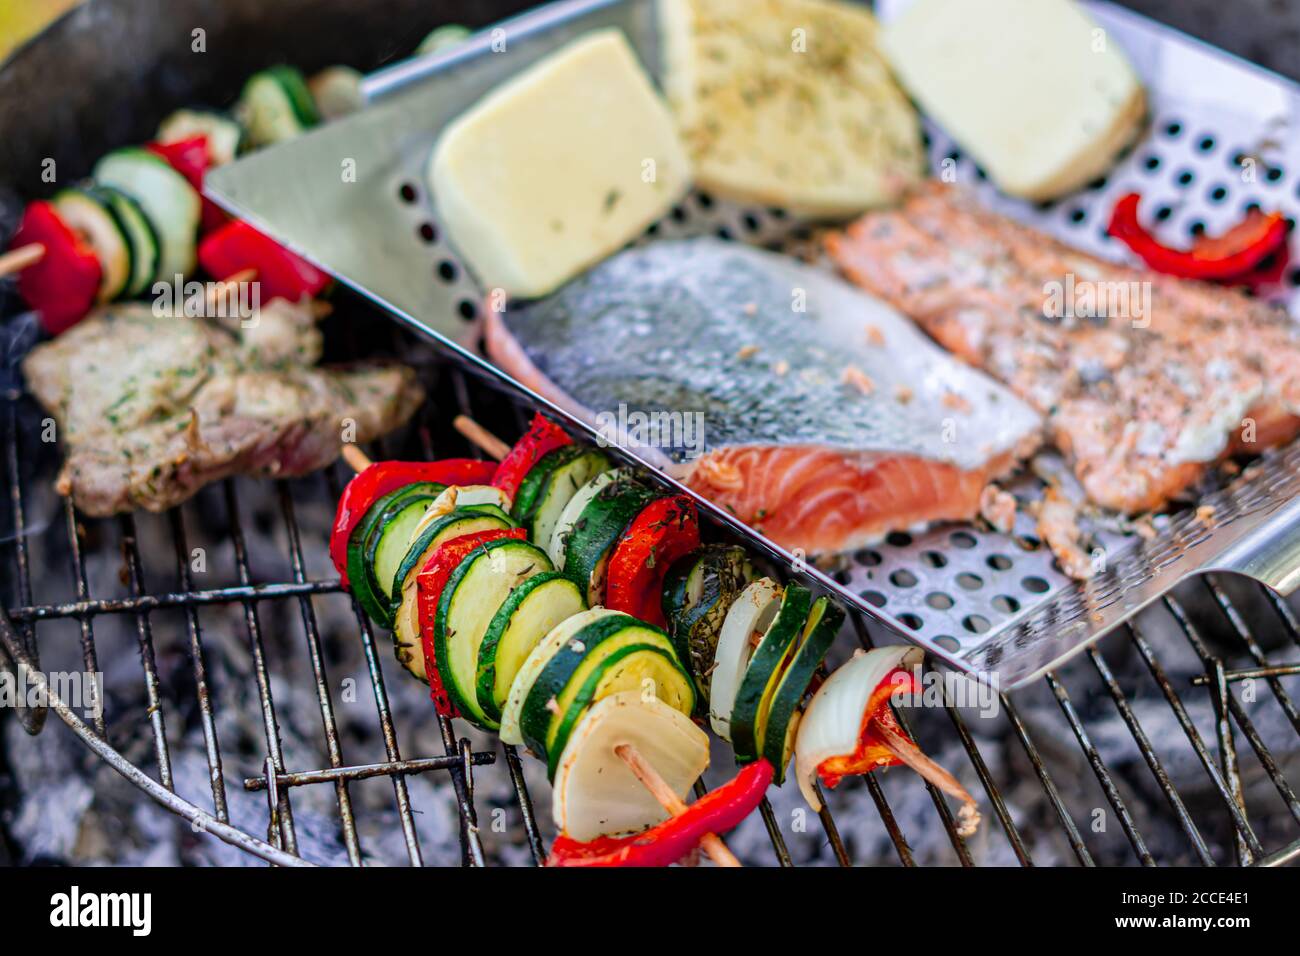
[135,573]
[323,696]
[202,691]
[86,608]
[32,718]
[89,656]
[365,771]
[1185,721]
[282,817]
[401,792]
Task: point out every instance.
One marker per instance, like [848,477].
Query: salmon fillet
[1146,381]
[825,418]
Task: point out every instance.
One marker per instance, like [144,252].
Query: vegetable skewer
[552,647]
[641,768]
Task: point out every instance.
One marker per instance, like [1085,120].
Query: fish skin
[707,326]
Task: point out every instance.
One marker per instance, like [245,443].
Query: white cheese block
[789,103]
[1034,90]
[557,168]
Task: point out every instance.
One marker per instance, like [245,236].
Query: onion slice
[461,496]
[596,793]
[751,613]
[837,721]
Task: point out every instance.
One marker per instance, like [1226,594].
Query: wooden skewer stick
[492,446]
[357,459]
[16,260]
[968,817]
[214,292]
[711,843]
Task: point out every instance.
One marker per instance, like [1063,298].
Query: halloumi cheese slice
[1034,90]
[789,103]
[558,167]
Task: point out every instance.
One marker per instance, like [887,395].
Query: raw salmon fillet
[1142,397]
[826,418]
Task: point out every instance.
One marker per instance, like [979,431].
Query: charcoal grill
[1088,742]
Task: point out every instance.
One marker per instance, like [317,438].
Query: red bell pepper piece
[665,530]
[431,580]
[543,436]
[871,752]
[190,158]
[1224,258]
[385,476]
[716,812]
[62,286]
[237,246]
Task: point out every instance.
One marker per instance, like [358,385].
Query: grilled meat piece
[1142,403]
[152,407]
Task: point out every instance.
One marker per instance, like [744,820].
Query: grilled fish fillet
[151,408]
[827,419]
[1142,404]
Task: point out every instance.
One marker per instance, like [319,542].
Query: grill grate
[1022,766]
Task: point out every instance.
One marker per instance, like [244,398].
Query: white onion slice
[461,496]
[546,648]
[833,720]
[596,794]
[752,611]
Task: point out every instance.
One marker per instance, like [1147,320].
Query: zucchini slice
[747,620]
[699,590]
[560,682]
[546,648]
[551,485]
[275,105]
[754,696]
[473,595]
[596,794]
[648,669]
[168,200]
[225,136]
[777,742]
[404,605]
[523,619]
[560,487]
[603,520]
[572,511]
[92,215]
[391,539]
[367,528]
[441,38]
[145,248]
[336,91]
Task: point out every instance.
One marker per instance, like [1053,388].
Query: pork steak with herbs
[150,408]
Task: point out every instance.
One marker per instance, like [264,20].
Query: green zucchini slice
[523,619]
[777,742]
[699,589]
[648,669]
[360,571]
[598,529]
[473,594]
[754,696]
[91,214]
[168,200]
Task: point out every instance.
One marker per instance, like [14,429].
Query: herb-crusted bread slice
[789,103]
